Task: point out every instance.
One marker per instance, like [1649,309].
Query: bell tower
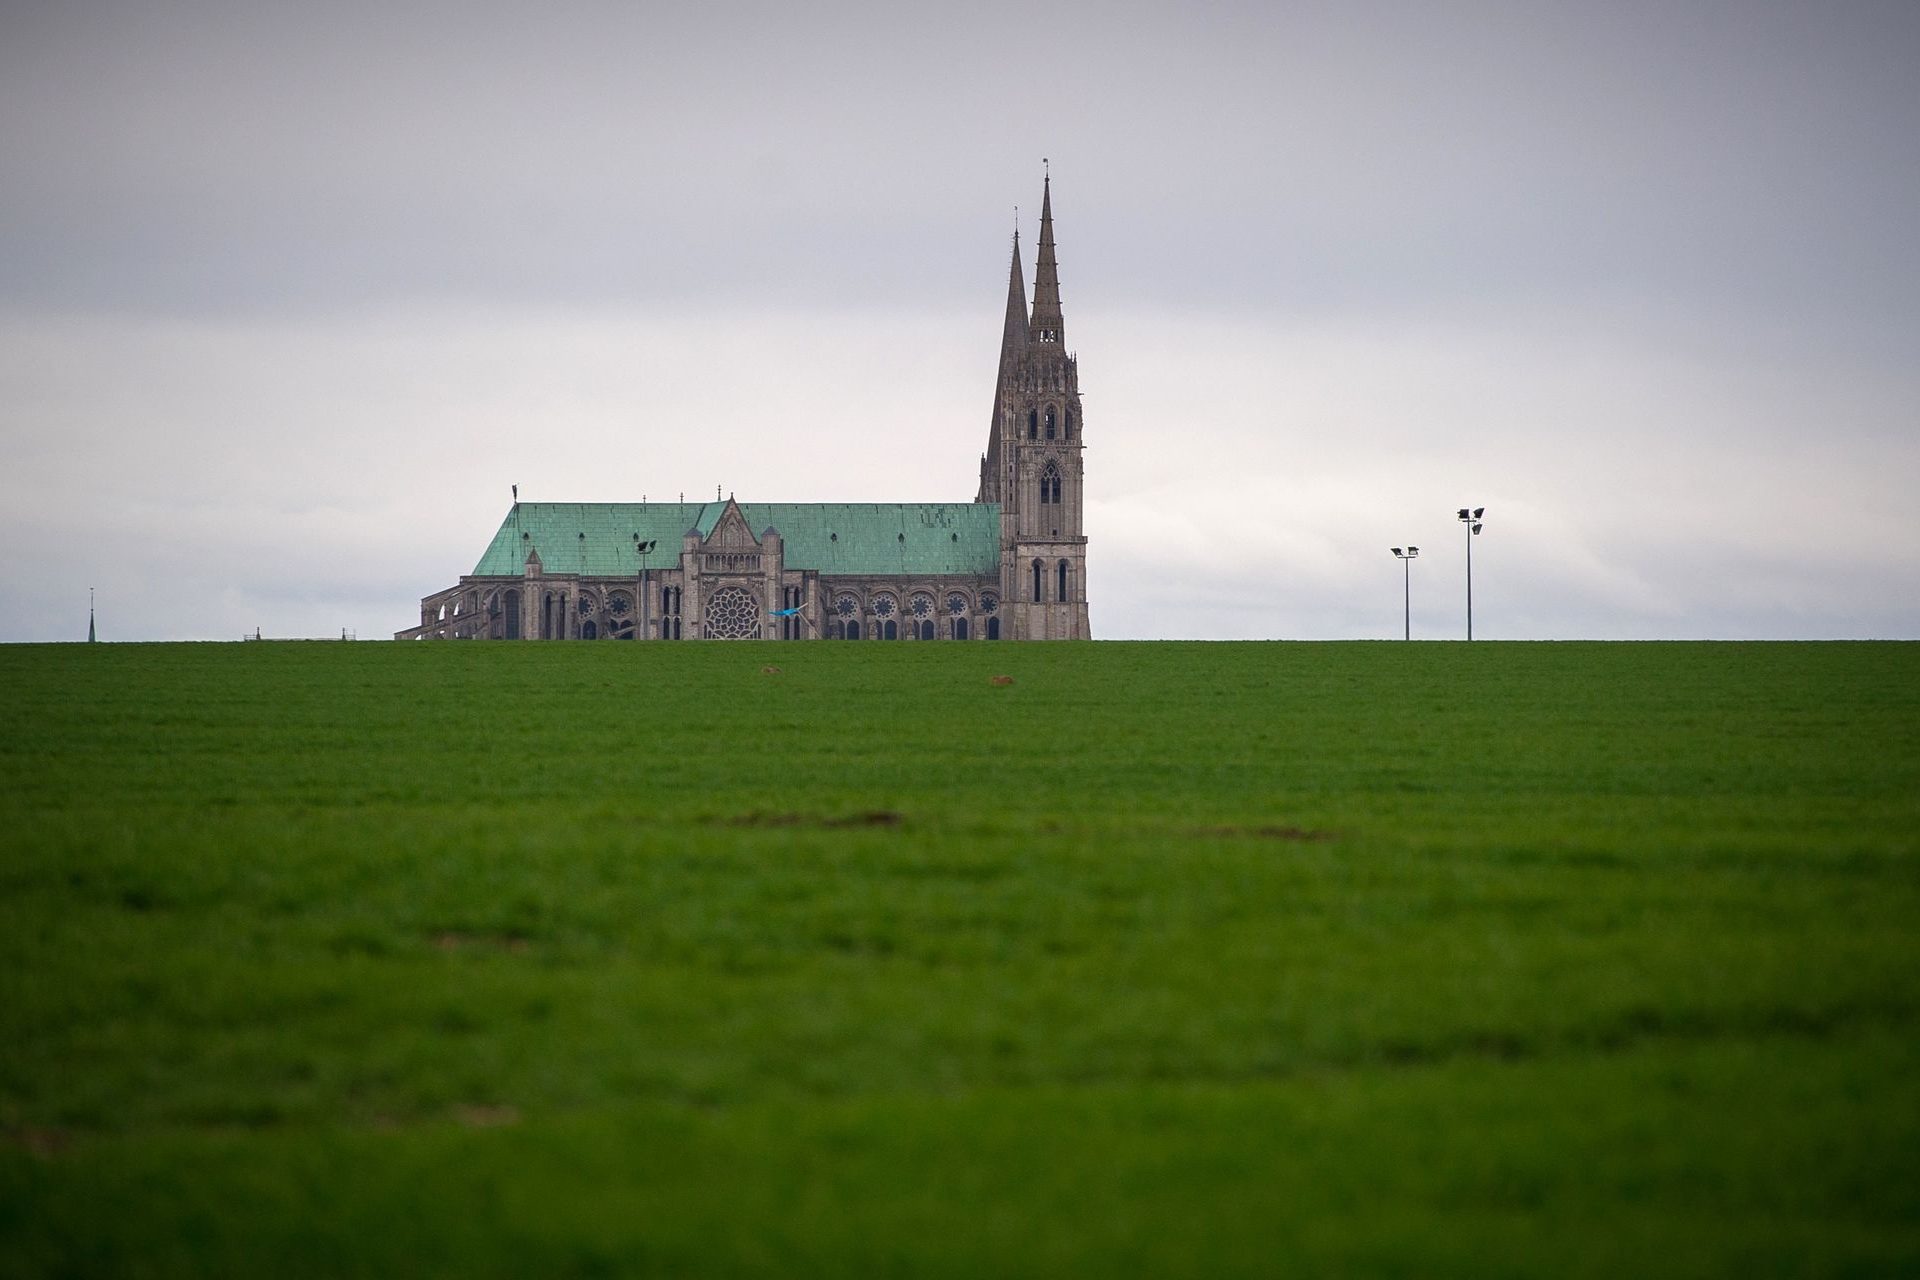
[1034,465]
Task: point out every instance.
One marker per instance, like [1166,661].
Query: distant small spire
[516,495]
[92,637]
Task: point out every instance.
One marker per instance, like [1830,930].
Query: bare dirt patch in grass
[454,940]
[870,818]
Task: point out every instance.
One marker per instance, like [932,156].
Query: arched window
[588,631]
[1033,425]
[926,628]
[791,598]
[853,628]
[959,628]
[1049,484]
[1063,581]
[890,630]
[993,628]
[1049,422]
[1037,597]
[1069,424]
[512,610]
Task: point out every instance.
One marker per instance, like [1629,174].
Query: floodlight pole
[1406,559]
[1471,519]
[644,548]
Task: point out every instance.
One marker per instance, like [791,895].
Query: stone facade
[1009,565]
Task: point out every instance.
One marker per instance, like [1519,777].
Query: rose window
[988,604]
[617,605]
[956,603]
[884,606]
[732,615]
[922,606]
[846,606]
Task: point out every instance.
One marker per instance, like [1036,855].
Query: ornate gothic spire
[1047,324]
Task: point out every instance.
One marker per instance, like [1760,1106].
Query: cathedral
[1010,565]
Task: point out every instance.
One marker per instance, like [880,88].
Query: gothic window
[956,603]
[889,630]
[1049,422]
[989,604]
[853,628]
[1033,425]
[618,605]
[925,627]
[959,628]
[922,606]
[846,606]
[588,631]
[1038,570]
[884,606]
[1049,484]
[1062,596]
[511,601]
[993,628]
[586,605]
[1069,424]
[732,615]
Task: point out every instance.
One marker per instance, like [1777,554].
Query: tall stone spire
[1047,324]
[1013,351]
[1013,339]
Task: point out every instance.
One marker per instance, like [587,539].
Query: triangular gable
[731,531]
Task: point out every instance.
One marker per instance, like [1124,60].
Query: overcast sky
[291,293]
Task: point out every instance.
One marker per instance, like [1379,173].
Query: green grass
[1173,959]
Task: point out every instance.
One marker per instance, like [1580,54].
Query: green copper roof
[844,538]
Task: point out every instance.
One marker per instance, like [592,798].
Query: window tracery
[732,615]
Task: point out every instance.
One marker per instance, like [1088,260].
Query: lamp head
[1397,551]
[1478,512]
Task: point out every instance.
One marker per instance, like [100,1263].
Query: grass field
[1166,959]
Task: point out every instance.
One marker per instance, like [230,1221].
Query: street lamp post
[1471,519]
[1406,559]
